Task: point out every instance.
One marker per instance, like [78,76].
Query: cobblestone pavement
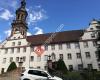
[9,77]
[14,75]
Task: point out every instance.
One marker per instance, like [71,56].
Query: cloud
[29,34]
[39,31]
[8,4]
[6,15]
[37,14]
[7,32]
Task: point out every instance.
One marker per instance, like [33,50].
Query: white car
[37,74]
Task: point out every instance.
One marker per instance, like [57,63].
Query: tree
[12,66]
[61,66]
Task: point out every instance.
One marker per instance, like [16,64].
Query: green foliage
[61,66]
[11,67]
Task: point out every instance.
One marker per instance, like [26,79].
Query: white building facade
[77,48]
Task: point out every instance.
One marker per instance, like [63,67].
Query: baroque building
[77,48]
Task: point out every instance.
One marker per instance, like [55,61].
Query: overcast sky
[46,16]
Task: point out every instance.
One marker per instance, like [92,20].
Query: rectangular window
[32,49]
[19,43]
[18,50]
[85,44]
[90,66]
[52,47]
[77,46]
[38,58]
[96,54]
[12,50]
[69,56]
[4,60]
[70,67]
[17,59]
[61,56]
[80,66]
[6,51]
[45,57]
[94,43]
[87,54]
[78,55]
[24,49]
[11,59]
[32,58]
[13,43]
[24,58]
[60,46]
[68,45]
[93,35]
[46,47]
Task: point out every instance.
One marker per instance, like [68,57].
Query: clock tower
[19,25]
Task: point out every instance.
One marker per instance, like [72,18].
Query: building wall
[74,61]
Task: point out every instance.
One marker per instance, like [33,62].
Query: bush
[61,66]
[12,66]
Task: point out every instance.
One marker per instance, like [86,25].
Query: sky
[45,16]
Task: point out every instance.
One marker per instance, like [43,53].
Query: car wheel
[26,79]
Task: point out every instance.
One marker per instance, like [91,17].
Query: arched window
[53,56]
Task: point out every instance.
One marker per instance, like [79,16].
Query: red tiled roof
[58,37]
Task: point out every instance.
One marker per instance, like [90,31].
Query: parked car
[37,74]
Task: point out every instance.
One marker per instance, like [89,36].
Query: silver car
[37,74]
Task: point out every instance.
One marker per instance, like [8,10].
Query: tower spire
[19,25]
[23,4]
